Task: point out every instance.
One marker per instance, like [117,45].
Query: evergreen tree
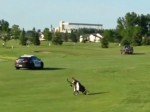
[35,36]
[73,37]
[23,39]
[57,40]
[4,26]
[36,40]
[47,34]
[65,36]
[104,42]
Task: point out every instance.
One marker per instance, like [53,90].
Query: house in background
[95,37]
[41,36]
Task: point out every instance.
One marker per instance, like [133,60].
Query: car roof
[27,55]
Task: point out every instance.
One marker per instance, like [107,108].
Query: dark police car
[29,61]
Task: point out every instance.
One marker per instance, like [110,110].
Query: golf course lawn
[116,82]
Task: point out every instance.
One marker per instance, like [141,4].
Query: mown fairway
[117,83]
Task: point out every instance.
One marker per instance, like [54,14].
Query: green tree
[23,39]
[104,42]
[35,36]
[5,37]
[136,36]
[29,35]
[4,26]
[133,27]
[65,36]
[73,37]
[146,40]
[56,39]
[15,31]
[126,26]
[4,31]
[110,35]
[47,34]
[144,23]
[125,41]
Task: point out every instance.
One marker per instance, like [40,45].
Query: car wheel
[17,68]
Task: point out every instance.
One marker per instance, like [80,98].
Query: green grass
[117,83]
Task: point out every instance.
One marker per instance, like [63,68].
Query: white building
[67,26]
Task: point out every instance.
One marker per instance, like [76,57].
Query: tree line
[33,36]
[131,29]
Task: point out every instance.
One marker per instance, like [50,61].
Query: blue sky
[44,13]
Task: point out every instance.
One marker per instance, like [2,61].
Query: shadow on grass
[45,69]
[97,93]
[138,53]
[52,68]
